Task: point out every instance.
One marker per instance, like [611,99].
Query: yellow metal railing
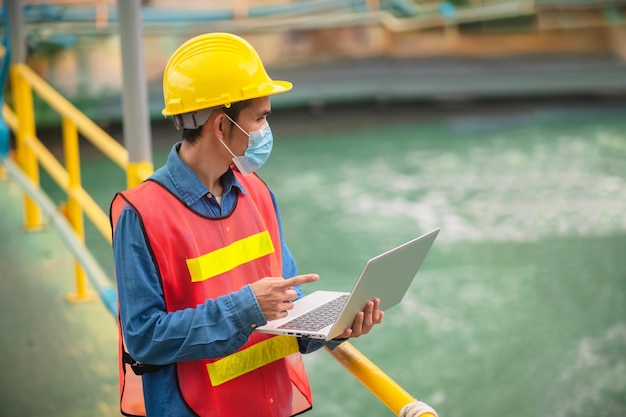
[31,152]
[396,398]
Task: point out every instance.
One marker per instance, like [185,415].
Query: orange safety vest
[198,258]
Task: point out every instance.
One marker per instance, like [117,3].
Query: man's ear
[220,125]
[213,126]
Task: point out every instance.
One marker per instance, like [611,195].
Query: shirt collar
[187,184]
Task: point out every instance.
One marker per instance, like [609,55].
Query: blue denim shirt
[214,329]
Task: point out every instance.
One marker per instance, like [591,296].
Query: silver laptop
[326,314]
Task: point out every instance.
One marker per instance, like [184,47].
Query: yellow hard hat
[215,69]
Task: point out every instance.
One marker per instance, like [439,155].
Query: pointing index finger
[300,279]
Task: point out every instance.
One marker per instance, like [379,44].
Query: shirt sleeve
[216,328]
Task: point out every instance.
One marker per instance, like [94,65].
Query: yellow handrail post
[74,210]
[26,159]
[373,378]
[137,172]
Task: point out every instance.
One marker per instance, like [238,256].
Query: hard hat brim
[280,86]
[269,88]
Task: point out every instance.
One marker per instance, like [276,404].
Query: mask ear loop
[235,123]
[227,148]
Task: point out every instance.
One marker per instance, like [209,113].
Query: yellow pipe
[103,141]
[22,94]
[372,377]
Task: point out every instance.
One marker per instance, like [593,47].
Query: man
[200,259]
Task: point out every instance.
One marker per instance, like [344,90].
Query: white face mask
[260,143]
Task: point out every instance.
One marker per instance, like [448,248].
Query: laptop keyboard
[318,318]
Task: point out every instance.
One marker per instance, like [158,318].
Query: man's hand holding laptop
[276,295]
[364,320]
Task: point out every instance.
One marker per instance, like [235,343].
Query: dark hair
[191,135]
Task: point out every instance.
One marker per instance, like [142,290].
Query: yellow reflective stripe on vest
[224,259]
[254,357]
